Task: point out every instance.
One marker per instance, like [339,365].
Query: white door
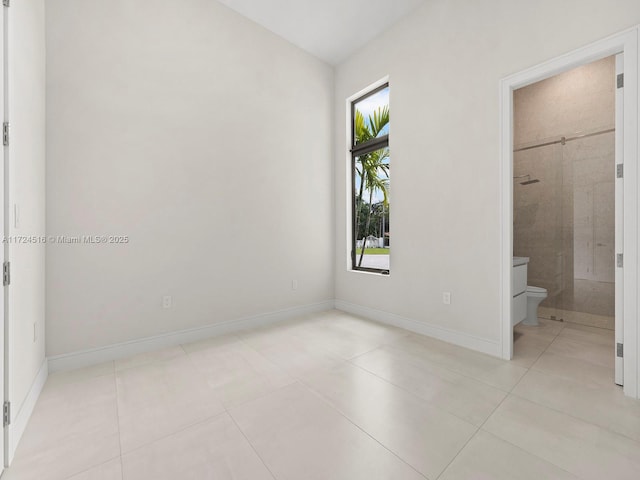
[619,334]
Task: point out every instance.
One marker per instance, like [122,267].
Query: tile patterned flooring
[332,396]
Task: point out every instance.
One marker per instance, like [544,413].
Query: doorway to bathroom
[564,208]
[564,192]
[569,172]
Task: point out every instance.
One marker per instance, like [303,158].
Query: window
[370,163]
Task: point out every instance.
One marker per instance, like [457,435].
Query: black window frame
[369,146]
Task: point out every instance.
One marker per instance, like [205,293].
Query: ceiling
[329,29]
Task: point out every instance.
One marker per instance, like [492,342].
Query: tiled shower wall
[565,222]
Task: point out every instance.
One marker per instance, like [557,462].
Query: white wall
[204,138]
[27,189]
[444,64]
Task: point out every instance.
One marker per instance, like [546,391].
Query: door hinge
[619,170]
[619,350]
[620,80]
[6,414]
[6,273]
[6,3]
[5,133]
[620,260]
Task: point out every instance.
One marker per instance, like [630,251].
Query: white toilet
[535,295]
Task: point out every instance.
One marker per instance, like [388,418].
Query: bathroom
[564,198]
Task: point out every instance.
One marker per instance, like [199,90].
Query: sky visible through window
[372,104]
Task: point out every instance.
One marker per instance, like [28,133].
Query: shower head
[529,181]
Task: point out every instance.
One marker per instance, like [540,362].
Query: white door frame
[619,222]
[625,42]
[4,383]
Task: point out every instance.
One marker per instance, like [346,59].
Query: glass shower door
[538,230]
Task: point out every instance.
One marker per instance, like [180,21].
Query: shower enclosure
[565,223]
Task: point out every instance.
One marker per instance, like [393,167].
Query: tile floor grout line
[554,409]
[115,381]
[293,336]
[551,374]
[261,395]
[380,345]
[175,432]
[585,342]
[555,337]
[415,395]
[458,372]
[184,427]
[536,361]
[472,436]
[250,444]
[512,394]
[327,403]
[90,468]
[527,451]
[468,375]
[487,432]
[508,394]
[365,353]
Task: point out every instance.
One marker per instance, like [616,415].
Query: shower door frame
[627,43]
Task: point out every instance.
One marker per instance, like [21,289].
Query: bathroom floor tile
[488,457]
[581,448]
[424,436]
[214,449]
[460,395]
[299,436]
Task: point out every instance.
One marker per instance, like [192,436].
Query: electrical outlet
[446,298]
[294,284]
[167,301]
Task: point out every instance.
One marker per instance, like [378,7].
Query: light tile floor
[332,396]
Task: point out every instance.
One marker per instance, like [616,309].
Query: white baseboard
[20,419]
[471,342]
[86,358]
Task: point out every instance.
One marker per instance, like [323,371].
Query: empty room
[320,240]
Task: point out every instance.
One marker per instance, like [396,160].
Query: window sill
[365,272]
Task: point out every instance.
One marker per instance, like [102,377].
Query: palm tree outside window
[370,164]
